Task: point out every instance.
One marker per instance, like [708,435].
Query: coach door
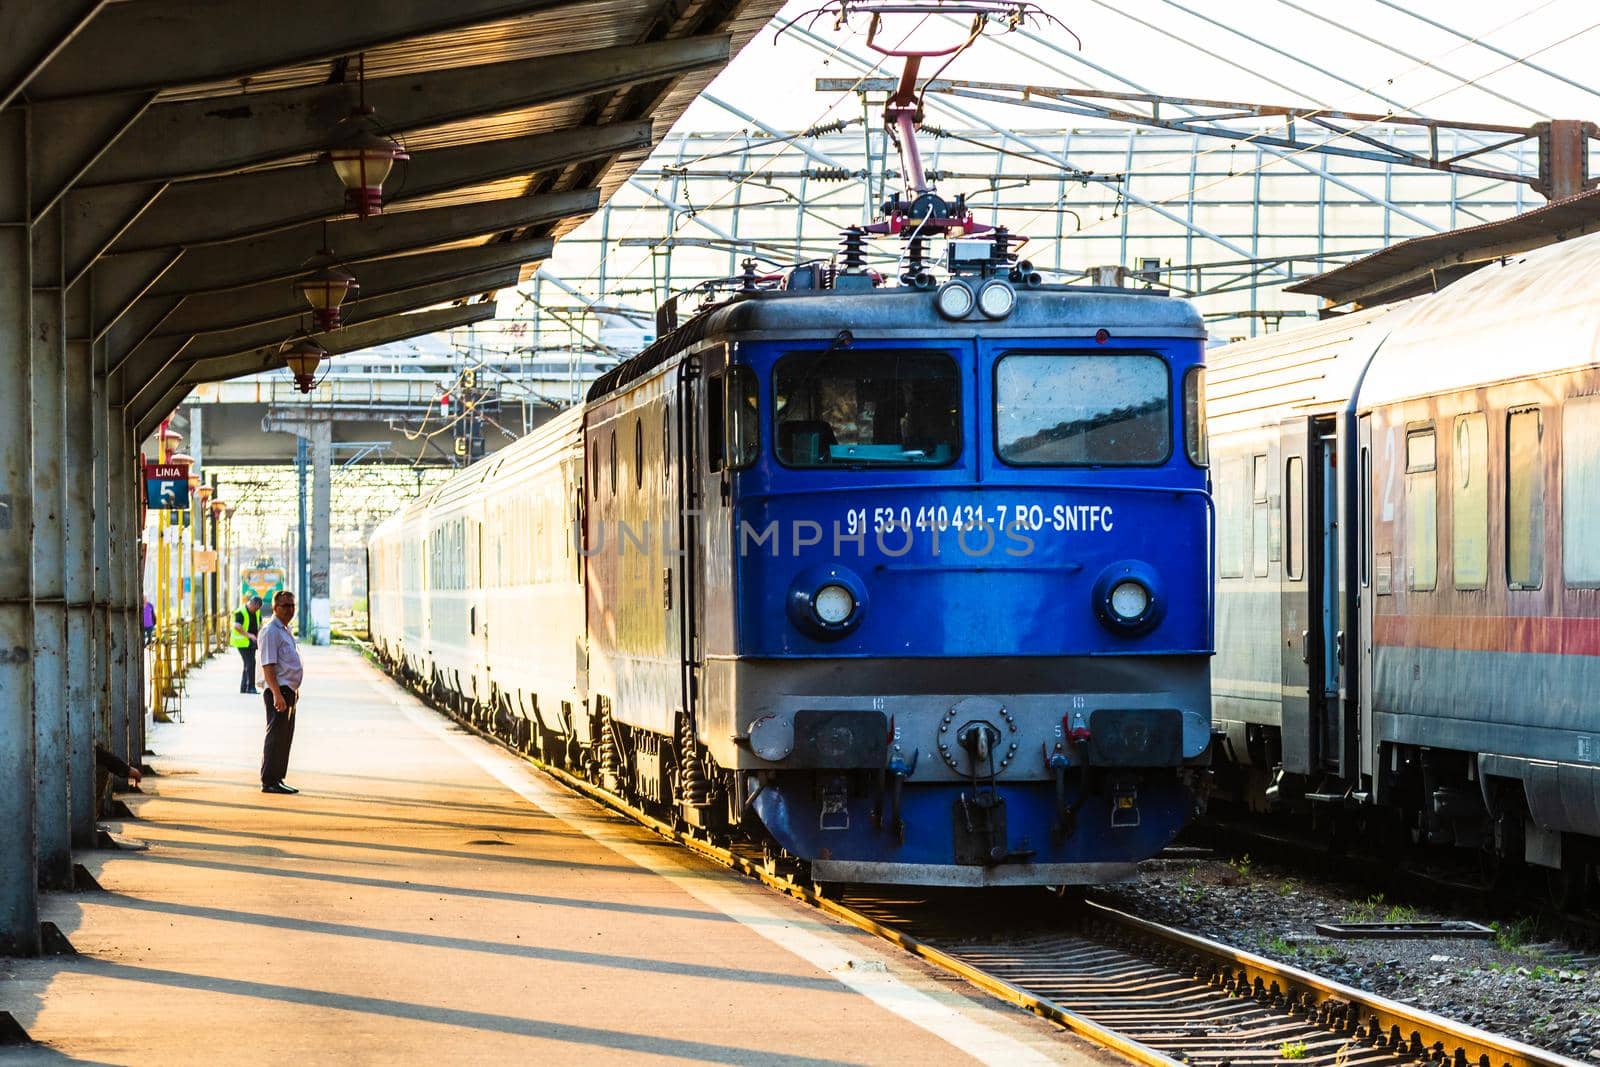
[691,503]
[1311,615]
[1362,492]
[1300,636]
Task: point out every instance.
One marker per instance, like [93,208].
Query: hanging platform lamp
[303,356]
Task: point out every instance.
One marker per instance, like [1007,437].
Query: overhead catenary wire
[1346,27]
[1480,42]
[1363,126]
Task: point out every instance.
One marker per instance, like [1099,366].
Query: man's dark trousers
[247,682]
[280,735]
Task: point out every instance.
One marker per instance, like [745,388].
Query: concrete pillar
[19,872]
[52,751]
[118,529]
[84,511]
[100,614]
[320,435]
[133,581]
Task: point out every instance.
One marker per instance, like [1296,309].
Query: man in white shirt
[280,663]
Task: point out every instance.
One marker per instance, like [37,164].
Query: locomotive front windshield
[1082,410]
[867,409]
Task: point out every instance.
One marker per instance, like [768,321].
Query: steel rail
[1371,1020]
[1194,977]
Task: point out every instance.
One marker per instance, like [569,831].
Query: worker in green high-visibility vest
[246,625]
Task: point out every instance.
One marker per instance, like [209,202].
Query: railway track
[1152,993]
[1411,878]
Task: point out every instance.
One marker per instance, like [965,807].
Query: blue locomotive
[908,584]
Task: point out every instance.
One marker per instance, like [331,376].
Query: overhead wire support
[1563,143]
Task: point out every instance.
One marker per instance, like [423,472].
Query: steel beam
[283,255]
[248,205]
[19,872]
[69,136]
[52,748]
[367,335]
[203,361]
[97,217]
[207,136]
[122,282]
[255,305]
[378,331]
[212,357]
[34,34]
[155,44]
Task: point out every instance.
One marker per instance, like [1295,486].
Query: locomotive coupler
[981,817]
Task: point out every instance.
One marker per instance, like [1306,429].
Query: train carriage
[1408,580]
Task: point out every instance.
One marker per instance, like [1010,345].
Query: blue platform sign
[166,486]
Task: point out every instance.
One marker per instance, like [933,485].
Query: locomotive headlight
[833,604]
[827,602]
[954,300]
[1127,598]
[996,299]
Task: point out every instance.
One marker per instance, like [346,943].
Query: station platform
[429,897]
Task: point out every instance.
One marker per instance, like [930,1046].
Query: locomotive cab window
[715,426]
[861,409]
[1422,507]
[1524,499]
[741,407]
[1082,410]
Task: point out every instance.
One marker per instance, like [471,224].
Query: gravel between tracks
[1541,992]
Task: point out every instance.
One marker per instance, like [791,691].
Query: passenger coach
[1409,566]
[910,585]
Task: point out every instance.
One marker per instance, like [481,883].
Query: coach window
[594,460]
[638,452]
[1294,518]
[1083,410]
[1524,499]
[612,463]
[861,409]
[1260,517]
[1580,491]
[1232,529]
[1469,502]
[1422,510]
[666,444]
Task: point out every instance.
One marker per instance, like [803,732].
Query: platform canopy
[170,158]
